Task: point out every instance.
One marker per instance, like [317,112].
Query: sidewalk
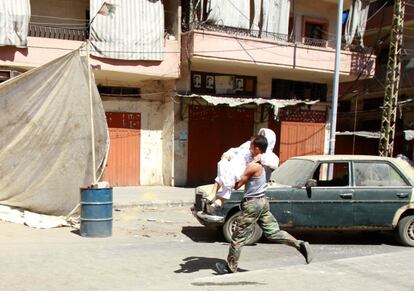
[392,271]
[152,195]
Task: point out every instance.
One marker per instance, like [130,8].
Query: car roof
[342,157]
[406,167]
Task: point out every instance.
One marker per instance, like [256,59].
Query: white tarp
[21,216]
[234,101]
[14,22]
[45,144]
[356,22]
[135,31]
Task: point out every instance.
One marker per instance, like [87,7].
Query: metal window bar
[278,37]
[314,42]
[60,32]
[57,32]
[242,32]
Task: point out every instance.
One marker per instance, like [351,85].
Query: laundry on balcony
[135,31]
[356,22]
[266,18]
[409,134]
[14,22]
[237,101]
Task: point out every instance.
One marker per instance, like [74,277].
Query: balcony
[57,32]
[46,43]
[224,45]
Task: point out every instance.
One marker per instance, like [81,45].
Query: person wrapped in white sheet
[233,163]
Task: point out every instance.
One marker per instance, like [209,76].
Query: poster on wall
[239,84]
[197,81]
[209,82]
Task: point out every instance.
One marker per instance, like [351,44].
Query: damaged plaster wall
[168,142]
[156,148]
[180,141]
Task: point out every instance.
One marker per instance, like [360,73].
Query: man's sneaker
[306,251]
[223,269]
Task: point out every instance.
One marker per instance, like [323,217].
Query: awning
[234,101]
[367,134]
[408,134]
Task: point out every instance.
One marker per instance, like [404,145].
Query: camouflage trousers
[252,211]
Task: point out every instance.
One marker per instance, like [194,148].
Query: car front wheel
[405,231]
[230,225]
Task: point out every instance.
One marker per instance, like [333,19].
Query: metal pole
[336,78]
[91,111]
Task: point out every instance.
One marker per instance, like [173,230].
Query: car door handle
[402,195]
[346,195]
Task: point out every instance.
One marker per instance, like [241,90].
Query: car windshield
[293,172]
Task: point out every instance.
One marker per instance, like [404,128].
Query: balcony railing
[315,42]
[242,32]
[67,33]
[323,43]
[57,32]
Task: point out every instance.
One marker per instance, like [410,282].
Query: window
[373,103]
[333,174]
[377,174]
[314,31]
[287,89]
[118,91]
[288,174]
[344,106]
[4,75]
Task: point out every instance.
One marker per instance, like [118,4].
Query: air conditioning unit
[5,75]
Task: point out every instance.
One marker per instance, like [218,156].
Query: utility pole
[392,83]
[336,78]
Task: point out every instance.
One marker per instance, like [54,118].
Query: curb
[153,203]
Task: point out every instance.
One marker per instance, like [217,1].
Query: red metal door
[301,138]
[211,131]
[123,166]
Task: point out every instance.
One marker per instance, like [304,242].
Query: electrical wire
[377,43]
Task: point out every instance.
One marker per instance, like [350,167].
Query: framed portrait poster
[196,80]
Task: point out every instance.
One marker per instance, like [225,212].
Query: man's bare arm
[251,170]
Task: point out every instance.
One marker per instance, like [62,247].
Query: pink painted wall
[220,46]
[43,50]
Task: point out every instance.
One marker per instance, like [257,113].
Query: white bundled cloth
[234,161]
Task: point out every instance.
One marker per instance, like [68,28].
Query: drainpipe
[336,78]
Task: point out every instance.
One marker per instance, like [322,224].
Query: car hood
[276,185]
[206,189]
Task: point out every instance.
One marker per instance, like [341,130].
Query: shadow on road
[345,237]
[195,264]
[207,235]
[202,234]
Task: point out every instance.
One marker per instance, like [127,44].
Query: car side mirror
[311,183]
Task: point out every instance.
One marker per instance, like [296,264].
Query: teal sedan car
[340,192]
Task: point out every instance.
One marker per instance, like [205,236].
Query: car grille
[199,201]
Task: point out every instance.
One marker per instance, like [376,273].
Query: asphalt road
[150,249]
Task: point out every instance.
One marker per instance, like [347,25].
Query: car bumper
[208,219]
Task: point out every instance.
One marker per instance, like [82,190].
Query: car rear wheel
[405,231]
[230,225]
